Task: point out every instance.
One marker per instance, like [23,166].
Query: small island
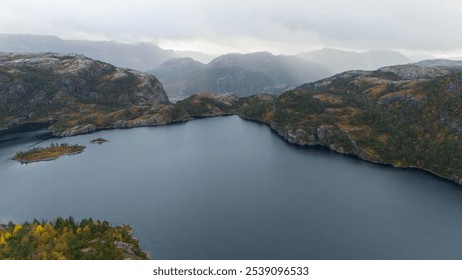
[99,140]
[51,152]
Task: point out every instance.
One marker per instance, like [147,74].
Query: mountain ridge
[141,56]
[239,74]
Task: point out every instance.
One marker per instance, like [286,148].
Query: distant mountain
[239,74]
[337,61]
[181,76]
[419,57]
[280,69]
[198,56]
[141,56]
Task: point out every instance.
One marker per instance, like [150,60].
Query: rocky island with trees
[51,152]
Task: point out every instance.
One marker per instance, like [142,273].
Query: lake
[225,188]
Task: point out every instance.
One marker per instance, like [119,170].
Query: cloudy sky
[216,26]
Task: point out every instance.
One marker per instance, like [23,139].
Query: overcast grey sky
[289,26]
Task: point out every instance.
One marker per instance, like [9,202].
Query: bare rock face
[127,249]
[89,128]
[414,72]
[70,89]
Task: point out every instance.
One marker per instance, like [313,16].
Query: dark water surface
[224,188]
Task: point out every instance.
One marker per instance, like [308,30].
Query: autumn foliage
[66,239]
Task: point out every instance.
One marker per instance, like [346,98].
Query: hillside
[337,61]
[406,116]
[71,91]
[239,74]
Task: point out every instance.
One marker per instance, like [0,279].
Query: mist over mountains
[239,74]
[338,61]
[247,74]
[184,73]
[140,56]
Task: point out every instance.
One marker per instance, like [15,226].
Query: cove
[225,188]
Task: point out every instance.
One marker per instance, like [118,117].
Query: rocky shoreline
[293,140]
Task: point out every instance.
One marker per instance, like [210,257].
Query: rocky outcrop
[439,63]
[89,128]
[413,72]
[72,92]
[127,249]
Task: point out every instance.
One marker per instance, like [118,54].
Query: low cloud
[222,26]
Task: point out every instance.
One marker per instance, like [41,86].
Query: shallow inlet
[225,188]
